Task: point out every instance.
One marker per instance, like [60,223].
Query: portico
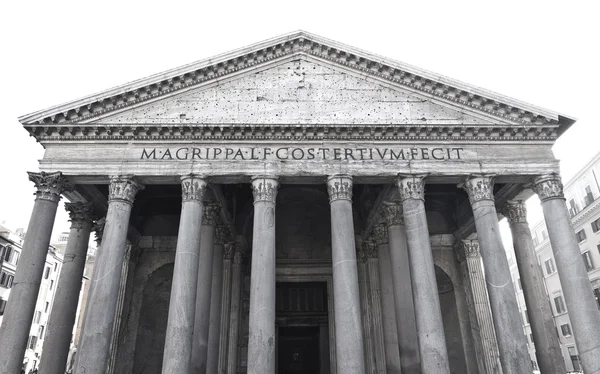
[300,206]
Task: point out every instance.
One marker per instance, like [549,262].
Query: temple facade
[298,206]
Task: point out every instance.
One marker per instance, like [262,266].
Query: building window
[589,196]
[559,303]
[580,235]
[573,208]
[587,260]
[6,280]
[41,334]
[47,306]
[550,269]
[55,266]
[47,273]
[566,329]
[544,235]
[37,316]
[597,296]
[519,284]
[535,241]
[574,359]
[51,284]
[596,225]
[525,317]
[32,342]
[7,252]
[3,305]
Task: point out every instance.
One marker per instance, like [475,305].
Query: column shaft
[60,325]
[225,308]
[390,329]
[19,311]
[348,330]
[234,314]
[215,303]
[577,290]
[402,288]
[180,322]
[430,327]
[547,346]
[375,301]
[261,342]
[512,344]
[204,289]
[93,353]
[363,289]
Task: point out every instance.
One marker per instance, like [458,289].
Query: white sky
[542,52]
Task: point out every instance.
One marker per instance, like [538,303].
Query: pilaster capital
[393,213]
[264,188]
[80,215]
[210,214]
[411,186]
[193,188]
[380,234]
[548,187]
[50,185]
[222,235]
[98,229]
[123,188]
[339,187]
[479,187]
[228,250]
[466,249]
[370,249]
[515,211]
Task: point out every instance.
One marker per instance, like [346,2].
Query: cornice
[303,132]
[300,43]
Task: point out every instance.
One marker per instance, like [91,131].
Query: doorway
[298,350]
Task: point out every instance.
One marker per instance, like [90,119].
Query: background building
[581,194]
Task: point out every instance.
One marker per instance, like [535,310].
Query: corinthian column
[234,312]
[430,326]
[180,321]
[204,288]
[93,354]
[402,287]
[482,325]
[578,293]
[225,308]
[261,342]
[348,330]
[375,298]
[512,343]
[60,325]
[388,309]
[14,331]
[547,346]
[365,307]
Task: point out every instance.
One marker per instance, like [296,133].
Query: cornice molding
[349,58]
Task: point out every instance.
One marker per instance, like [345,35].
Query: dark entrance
[302,328]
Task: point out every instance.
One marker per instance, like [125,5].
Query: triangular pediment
[300,91]
[341,84]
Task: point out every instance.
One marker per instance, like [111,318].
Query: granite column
[204,288]
[547,345]
[18,314]
[365,307]
[64,310]
[402,288]
[428,316]
[180,321]
[261,342]
[371,251]
[225,308]
[577,290]
[93,353]
[348,331]
[234,312]
[512,344]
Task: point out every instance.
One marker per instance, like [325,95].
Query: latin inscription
[297,154]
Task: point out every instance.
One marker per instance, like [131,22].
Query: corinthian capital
[466,248]
[264,188]
[393,214]
[411,186]
[50,185]
[99,230]
[380,234]
[339,187]
[479,187]
[548,187]
[123,188]
[515,211]
[228,249]
[80,215]
[211,213]
[192,188]
[370,249]
[222,235]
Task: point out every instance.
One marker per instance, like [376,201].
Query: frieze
[339,187]
[264,188]
[80,215]
[479,188]
[123,188]
[393,213]
[411,187]
[515,211]
[548,187]
[50,186]
[303,44]
[192,188]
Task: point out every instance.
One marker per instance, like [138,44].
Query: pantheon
[299,206]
